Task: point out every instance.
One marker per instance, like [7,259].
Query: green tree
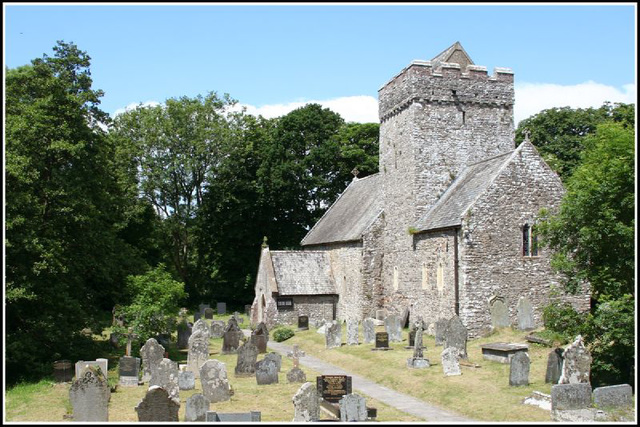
[65,255]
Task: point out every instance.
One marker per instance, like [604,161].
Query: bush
[282,333]
[563,319]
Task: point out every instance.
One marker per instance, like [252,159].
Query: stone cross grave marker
[305,404]
[130,337]
[89,395]
[418,360]
[215,385]
[157,405]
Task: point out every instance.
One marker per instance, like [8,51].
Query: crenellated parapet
[421,82]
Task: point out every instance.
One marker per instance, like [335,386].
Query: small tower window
[529,241]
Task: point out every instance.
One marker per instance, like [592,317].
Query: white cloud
[532,98]
[134,105]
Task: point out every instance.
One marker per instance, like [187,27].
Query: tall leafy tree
[65,256]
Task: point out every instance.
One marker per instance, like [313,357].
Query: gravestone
[197,316]
[352,332]
[152,354]
[333,334]
[570,396]
[456,336]
[502,352]
[296,375]
[246,361]
[186,380]
[260,337]
[404,318]
[166,377]
[63,371]
[198,351]
[295,355]
[238,317]
[554,366]
[247,310]
[222,308]
[233,417]
[276,358]
[368,331]
[393,328]
[418,360]
[89,395]
[202,307]
[439,331]
[129,371]
[201,326]
[305,404]
[353,408]
[303,323]
[613,396]
[381,314]
[267,372]
[519,369]
[332,388]
[576,364]
[99,363]
[499,313]
[184,332]
[525,315]
[208,313]
[157,405]
[412,339]
[231,337]
[217,329]
[215,385]
[450,364]
[382,341]
[196,408]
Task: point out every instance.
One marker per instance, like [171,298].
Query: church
[447,225]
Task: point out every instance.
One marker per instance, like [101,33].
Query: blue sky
[273,58]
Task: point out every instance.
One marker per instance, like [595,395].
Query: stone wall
[317,307]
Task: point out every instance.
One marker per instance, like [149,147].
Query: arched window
[529,241]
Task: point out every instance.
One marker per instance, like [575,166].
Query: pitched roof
[349,216]
[303,272]
[472,182]
[453,54]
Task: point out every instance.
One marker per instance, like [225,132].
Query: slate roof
[462,193]
[349,216]
[303,272]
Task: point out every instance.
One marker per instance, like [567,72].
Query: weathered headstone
[198,351]
[576,364]
[267,371]
[332,388]
[222,308]
[215,385]
[554,366]
[519,369]
[353,407]
[456,336]
[196,408]
[89,395]
[570,396]
[63,371]
[103,364]
[303,323]
[352,332]
[499,313]
[166,376]
[201,326]
[233,417]
[368,331]
[525,315]
[450,364]
[157,405]
[217,329]
[208,313]
[129,371]
[613,396]
[333,334]
[393,327]
[276,357]
[246,361]
[184,332]
[231,337]
[305,404]
[260,337]
[186,380]
[381,314]
[439,331]
[296,375]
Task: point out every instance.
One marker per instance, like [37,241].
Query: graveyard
[483,388]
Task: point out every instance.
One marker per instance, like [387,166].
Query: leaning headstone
[303,323]
[499,313]
[89,395]
[368,331]
[198,352]
[129,371]
[404,317]
[333,334]
[570,396]
[276,357]
[439,332]
[217,329]
[613,396]
[196,408]
[525,315]
[63,371]
[456,336]
[246,361]
[305,404]
[576,364]
[231,337]
[166,376]
[260,337]
[266,372]
[222,308]
[322,329]
[215,385]
[519,369]
[184,332]
[393,327]
[186,380]
[201,326]
[352,332]
[157,405]
[353,408]
[208,313]
[450,364]
[554,366]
